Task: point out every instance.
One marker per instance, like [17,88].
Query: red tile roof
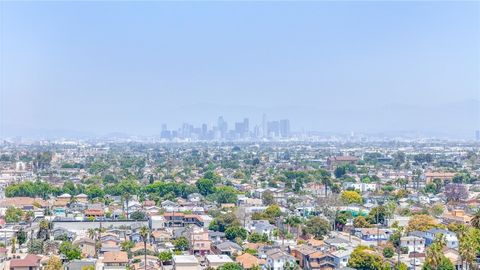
[29,261]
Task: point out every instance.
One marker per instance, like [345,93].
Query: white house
[413,243]
[215,261]
[157,222]
[450,237]
[278,259]
[185,262]
[363,187]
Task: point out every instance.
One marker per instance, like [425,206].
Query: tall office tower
[186,130]
[273,129]
[204,131]
[222,127]
[239,128]
[246,127]
[165,134]
[256,132]
[285,128]
[264,126]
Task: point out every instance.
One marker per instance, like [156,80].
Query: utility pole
[378,230]
[414,254]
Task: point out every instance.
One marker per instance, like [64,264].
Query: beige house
[444,176]
[457,216]
[215,261]
[82,198]
[199,241]
[116,260]
[185,262]
[63,200]
[87,246]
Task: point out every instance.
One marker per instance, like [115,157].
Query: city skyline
[98,67]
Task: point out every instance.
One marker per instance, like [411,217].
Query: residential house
[215,261]
[450,237]
[216,237]
[195,197]
[413,244]
[20,202]
[168,203]
[228,248]
[63,234]
[444,176]
[152,263]
[139,248]
[341,257]
[94,213]
[63,199]
[199,241]
[29,262]
[248,261]
[87,246]
[185,262]
[157,222]
[117,260]
[278,259]
[401,221]
[310,258]
[82,198]
[457,216]
[363,187]
[262,227]
[159,237]
[80,264]
[176,219]
[333,162]
[373,234]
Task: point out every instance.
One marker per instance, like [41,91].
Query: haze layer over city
[222,135]
[90,69]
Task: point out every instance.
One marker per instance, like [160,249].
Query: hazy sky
[128,66]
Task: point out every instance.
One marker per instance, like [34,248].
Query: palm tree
[468,247]
[14,243]
[402,182]
[73,200]
[144,232]
[126,197]
[434,253]
[476,220]
[44,230]
[326,181]
[92,233]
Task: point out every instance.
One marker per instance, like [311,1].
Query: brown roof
[440,174]
[314,242]
[139,246]
[148,203]
[158,234]
[29,261]
[194,216]
[316,255]
[345,158]
[115,257]
[248,260]
[21,201]
[176,214]
[94,212]
[304,250]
